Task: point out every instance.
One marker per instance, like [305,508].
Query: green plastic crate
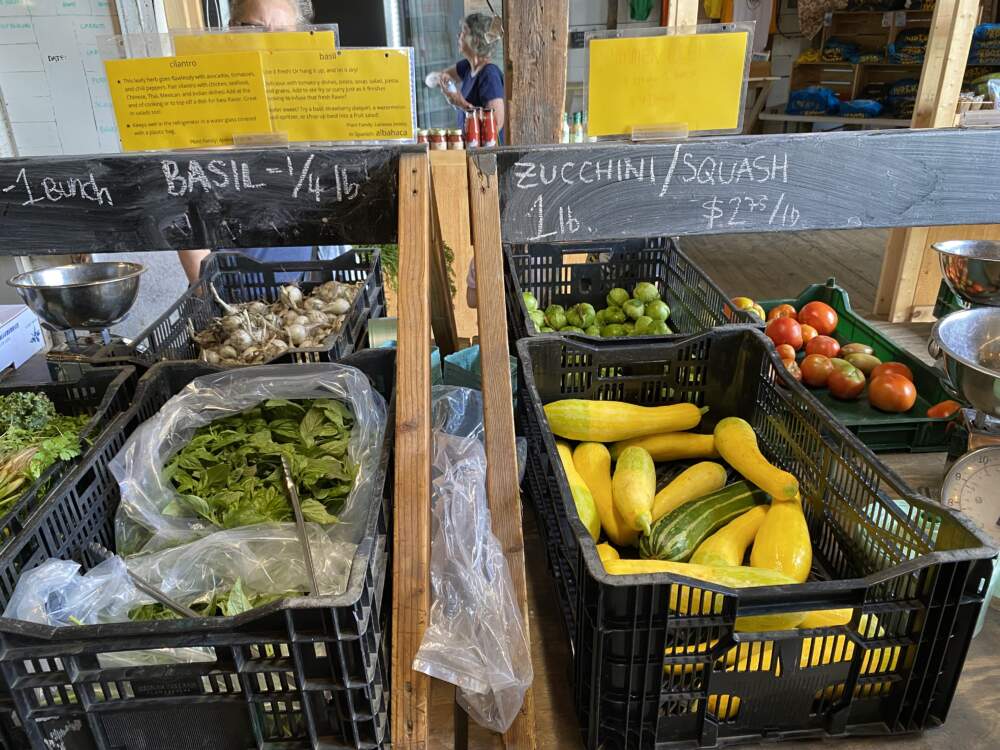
[883,433]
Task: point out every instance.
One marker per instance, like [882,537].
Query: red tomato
[793,368]
[808,333]
[816,370]
[943,409]
[781,311]
[846,384]
[820,316]
[824,345]
[894,367]
[784,331]
[892,392]
[785,351]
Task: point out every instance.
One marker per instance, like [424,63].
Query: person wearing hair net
[267,15]
[477,82]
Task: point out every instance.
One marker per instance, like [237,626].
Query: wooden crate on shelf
[841,78]
[874,80]
[866,29]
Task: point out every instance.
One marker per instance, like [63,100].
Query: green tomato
[546,329]
[571,329]
[599,318]
[614,315]
[657,310]
[537,317]
[574,318]
[658,328]
[553,309]
[645,292]
[592,331]
[629,326]
[556,320]
[642,324]
[588,313]
[613,330]
[634,309]
[617,297]
[529,301]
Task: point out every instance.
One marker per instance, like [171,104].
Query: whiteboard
[53,87]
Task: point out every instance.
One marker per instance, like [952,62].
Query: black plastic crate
[920,568]
[102,393]
[304,672]
[566,274]
[238,278]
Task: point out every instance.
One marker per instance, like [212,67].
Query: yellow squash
[607,552]
[699,480]
[582,498]
[783,543]
[633,488]
[593,462]
[671,446]
[694,602]
[736,442]
[611,421]
[826,618]
[728,545]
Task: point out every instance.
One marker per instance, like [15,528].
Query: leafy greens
[219,603]
[33,436]
[230,472]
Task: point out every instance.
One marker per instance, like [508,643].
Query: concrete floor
[161,285]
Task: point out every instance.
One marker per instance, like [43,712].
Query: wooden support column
[682,13]
[536,38]
[450,178]
[412,517]
[909,264]
[498,414]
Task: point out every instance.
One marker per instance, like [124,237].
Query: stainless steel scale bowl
[971,268]
[83,296]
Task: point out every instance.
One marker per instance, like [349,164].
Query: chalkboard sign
[254,197]
[748,184]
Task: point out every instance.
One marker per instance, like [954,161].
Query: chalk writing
[52,190]
[741,210]
[568,224]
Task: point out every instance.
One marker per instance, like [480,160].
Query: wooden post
[909,263]
[536,38]
[498,416]
[412,516]
[681,13]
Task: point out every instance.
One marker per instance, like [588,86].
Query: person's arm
[491,89]
[191,262]
[471,296]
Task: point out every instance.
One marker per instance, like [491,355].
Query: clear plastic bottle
[564,138]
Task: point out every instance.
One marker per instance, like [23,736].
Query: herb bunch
[33,436]
[230,474]
[218,603]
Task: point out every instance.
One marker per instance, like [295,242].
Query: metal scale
[966,345]
[80,302]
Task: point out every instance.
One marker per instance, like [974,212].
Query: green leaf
[310,426]
[315,511]
[238,601]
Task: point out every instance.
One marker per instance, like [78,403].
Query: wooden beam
[412,516]
[536,39]
[682,13]
[937,100]
[498,415]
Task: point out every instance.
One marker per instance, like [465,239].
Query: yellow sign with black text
[692,79]
[348,95]
[193,101]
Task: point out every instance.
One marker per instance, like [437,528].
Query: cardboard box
[20,336]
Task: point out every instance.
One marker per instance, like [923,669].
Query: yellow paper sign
[695,79]
[348,95]
[257,41]
[187,102]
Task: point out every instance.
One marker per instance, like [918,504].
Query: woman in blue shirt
[477,81]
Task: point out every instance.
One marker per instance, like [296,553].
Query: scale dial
[972,486]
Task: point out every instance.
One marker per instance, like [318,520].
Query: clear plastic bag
[267,559]
[141,524]
[475,638]
[56,594]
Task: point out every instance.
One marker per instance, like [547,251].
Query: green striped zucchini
[676,536]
